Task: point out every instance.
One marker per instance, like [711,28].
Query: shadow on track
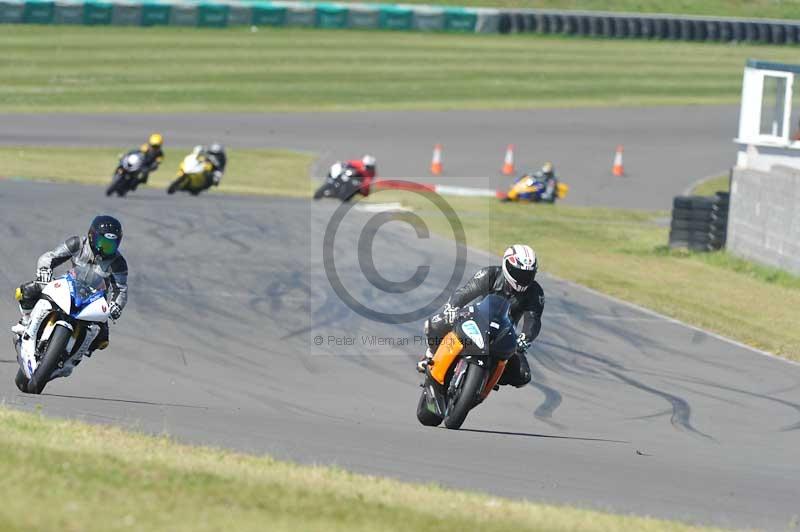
[535,435]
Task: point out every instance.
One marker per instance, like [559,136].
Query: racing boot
[20,327]
[24,294]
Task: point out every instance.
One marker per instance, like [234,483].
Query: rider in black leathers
[513,280]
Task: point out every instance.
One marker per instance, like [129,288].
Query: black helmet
[216,149]
[105,236]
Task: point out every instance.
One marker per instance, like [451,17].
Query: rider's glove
[115,311]
[449,314]
[522,343]
[44,275]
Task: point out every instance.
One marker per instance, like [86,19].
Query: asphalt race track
[581,142]
[628,412]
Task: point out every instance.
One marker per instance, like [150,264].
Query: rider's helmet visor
[106,246]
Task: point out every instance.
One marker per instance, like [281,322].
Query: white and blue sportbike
[64,323]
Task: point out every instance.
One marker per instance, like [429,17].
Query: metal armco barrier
[398,17]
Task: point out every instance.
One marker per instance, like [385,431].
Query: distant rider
[99,248]
[547,176]
[515,281]
[215,154]
[153,155]
[366,170]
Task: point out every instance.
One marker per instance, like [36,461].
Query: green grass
[248,172]
[727,8]
[710,186]
[624,253]
[91,478]
[103,69]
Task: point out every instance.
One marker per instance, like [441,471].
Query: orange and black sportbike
[468,363]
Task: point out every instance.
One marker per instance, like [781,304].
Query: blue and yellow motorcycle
[532,188]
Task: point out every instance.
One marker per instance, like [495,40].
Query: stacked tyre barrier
[401,17]
[699,223]
[664,27]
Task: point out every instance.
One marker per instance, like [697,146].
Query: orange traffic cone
[508,163]
[436,162]
[617,169]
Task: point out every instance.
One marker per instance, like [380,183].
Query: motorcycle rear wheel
[465,397]
[425,416]
[21,381]
[56,347]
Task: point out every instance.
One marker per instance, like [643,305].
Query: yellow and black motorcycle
[195,174]
[468,363]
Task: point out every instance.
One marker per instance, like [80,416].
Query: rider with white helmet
[515,280]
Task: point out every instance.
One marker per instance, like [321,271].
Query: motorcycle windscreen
[492,313]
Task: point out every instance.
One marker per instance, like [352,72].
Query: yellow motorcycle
[531,188]
[195,174]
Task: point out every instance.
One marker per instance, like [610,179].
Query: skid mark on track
[537,435]
[681,411]
[129,401]
[784,402]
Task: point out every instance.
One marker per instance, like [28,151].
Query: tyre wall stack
[699,223]
[650,26]
[399,17]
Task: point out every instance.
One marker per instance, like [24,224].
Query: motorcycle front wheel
[56,348]
[463,398]
[177,184]
[116,185]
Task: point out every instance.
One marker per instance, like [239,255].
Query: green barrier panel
[38,12]
[11,12]
[96,13]
[183,15]
[212,15]
[365,17]
[126,14]
[427,18]
[460,20]
[300,15]
[395,18]
[68,13]
[265,14]
[240,15]
[155,14]
[331,16]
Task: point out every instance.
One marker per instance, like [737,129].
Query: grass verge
[725,8]
[91,69]
[624,253]
[99,478]
[710,186]
[248,172]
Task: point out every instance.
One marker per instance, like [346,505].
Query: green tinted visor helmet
[105,236]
